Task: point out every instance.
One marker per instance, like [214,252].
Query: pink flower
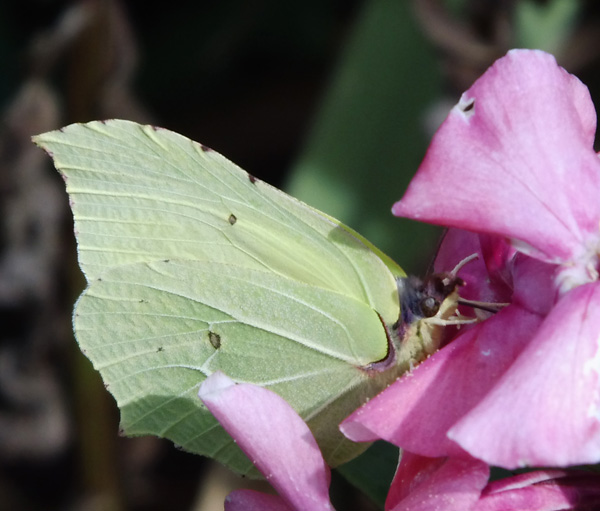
[271,433]
[515,158]
[282,447]
[513,162]
[431,484]
[277,441]
[452,484]
[544,490]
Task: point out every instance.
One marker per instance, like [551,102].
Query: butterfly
[193,266]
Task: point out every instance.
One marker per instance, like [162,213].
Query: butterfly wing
[193,266]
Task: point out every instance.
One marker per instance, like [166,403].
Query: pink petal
[523,480]
[515,158]
[433,484]
[546,409]
[534,498]
[416,411]
[534,284]
[274,437]
[548,490]
[249,500]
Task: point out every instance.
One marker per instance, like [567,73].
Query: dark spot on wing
[232,219]
[166,260]
[251,178]
[205,148]
[215,340]
[159,349]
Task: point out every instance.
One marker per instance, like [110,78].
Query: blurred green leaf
[546,25]
[372,472]
[369,139]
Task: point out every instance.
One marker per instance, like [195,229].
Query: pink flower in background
[513,162]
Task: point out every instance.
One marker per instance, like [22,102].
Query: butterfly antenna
[462,263]
[484,306]
[475,304]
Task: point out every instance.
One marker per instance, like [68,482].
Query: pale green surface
[281,295]
[546,26]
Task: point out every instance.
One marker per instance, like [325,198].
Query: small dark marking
[215,340]
[121,432]
[166,260]
[159,349]
[205,148]
[143,301]
[251,178]
[493,308]
[232,219]
[99,279]
[155,128]
[467,107]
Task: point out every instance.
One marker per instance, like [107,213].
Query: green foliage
[547,25]
[372,472]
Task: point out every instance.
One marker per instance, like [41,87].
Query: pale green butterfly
[194,266]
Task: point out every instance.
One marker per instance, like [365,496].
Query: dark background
[332,100]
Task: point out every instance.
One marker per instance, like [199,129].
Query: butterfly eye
[429,306]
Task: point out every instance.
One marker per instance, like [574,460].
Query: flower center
[583,270]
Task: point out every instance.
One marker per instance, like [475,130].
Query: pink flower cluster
[513,173]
